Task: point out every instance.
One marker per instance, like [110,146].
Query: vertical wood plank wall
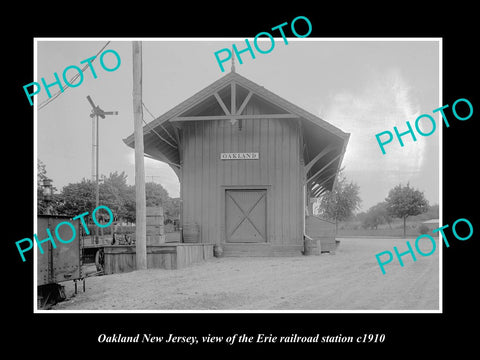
[205,176]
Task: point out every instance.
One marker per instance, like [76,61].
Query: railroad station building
[248,162]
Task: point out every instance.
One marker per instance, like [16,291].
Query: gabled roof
[317,132]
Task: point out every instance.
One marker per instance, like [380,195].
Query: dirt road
[349,280]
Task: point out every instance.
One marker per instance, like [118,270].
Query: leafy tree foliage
[41,174]
[376,215]
[114,192]
[77,198]
[404,201]
[340,204]
[156,195]
[172,208]
[41,171]
[130,209]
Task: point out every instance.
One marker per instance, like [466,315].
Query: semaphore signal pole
[96,112]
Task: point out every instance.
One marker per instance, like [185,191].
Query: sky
[363,87]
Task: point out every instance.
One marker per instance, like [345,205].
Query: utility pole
[141,218]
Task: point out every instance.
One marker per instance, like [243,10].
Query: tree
[41,175]
[41,171]
[78,198]
[340,203]
[130,205]
[376,215]
[404,201]
[360,216]
[172,208]
[156,194]
[114,193]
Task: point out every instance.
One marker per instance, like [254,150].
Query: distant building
[432,224]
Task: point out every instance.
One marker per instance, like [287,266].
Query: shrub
[423,229]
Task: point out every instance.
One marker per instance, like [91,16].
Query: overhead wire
[74,78]
[156,133]
[163,128]
[145,107]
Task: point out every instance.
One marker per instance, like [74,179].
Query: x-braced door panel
[246,215]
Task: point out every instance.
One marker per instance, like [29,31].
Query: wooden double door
[246,215]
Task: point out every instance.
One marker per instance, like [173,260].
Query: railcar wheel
[99,259]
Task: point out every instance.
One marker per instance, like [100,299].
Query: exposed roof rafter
[323,168]
[320,155]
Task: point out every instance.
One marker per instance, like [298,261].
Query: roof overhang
[324,144]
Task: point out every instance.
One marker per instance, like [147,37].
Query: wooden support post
[233,98]
[245,102]
[220,102]
[141,220]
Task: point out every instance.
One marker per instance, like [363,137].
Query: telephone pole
[141,222]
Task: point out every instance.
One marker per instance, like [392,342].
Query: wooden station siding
[279,170]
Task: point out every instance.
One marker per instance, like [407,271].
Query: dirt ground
[349,280]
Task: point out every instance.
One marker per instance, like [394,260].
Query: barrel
[312,247]
[191,233]
[217,250]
